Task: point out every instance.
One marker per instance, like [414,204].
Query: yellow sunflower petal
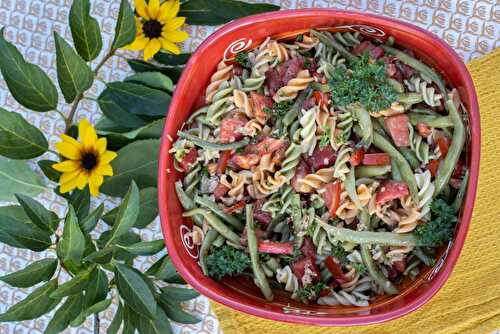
[71,140]
[69,176]
[142,9]
[138,44]
[68,151]
[94,190]
[152,48]
[90,138]
[106,157]
[68,186]
[95,181]
[101,144]
[81,180]
[167,45]
[174,23]
[66,166]
[104,169]
[175,36]
[82,128]
[153,9]
[169,11]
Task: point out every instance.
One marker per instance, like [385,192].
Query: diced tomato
[391,190]
[357,156]
[220,191]
[273,81]
[245,161]
[299,268]
[443,143]
[362,47]
[398,128]
[272,247]
[376,52]
[270,145]
[262,217]
[433,166]
[392,273]
[400,265]
[376,159]
[335,269]
[237,69]
[325,292]
[259,103]
[302,170]
[308,248]
[459,170]
[322,157]
[423,129]
[230,129]
[321,98]
[331,196]
[223,161]
[238,207]
[189,159]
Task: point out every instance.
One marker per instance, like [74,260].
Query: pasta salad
[330,166]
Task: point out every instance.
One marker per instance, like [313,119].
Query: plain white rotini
[426,190]
[286,276]
[418,145]
[345,298]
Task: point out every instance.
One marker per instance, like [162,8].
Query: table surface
[471,27]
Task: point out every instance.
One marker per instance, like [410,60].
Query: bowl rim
[438,281]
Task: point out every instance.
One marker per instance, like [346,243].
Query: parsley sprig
[227,261]
[242,59]
[439,230]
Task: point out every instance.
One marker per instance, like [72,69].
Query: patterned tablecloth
[472,27]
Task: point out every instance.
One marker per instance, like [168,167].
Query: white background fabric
[472,27]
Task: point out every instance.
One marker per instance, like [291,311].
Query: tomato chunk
[391,190]
[308,248]
[189,159]
[272,247]
[433,166]
[335,269]
[400,265]
[398,128]
[306,265]
[376,159]
[302,170]
[331,196]
[220,191]
[424,130]
[357,157]
[238,207]
[245,161]
[322,157]
[230,129]
[223,161]
[321,98]
[443,143]
[259,103]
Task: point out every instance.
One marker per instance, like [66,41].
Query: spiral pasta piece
[253,127]
[340,167]
[426,190]
[409,218]
[329,60]
[237,184]
[242,102]
[344,298]
[278,51]
[223,73]
[286,276]
[307,43]
[418,145]
[264,180]
[418,85]
[293,87]
[348,38]
[292,158]
[315,181]
[396,108]
[345,122]
[222,102]
[308,131]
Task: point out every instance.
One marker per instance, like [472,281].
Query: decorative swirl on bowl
[237,46]
[365,30]
[187,241]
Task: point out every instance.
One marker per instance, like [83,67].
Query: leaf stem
[97,323]
[90,98]
[60,113]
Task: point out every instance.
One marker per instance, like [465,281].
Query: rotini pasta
[341,168]
[293,87]
[315,181]
[308,131]
[418,85]
[223,74]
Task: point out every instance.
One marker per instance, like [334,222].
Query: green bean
[398,86]
[432,121]
[379,126]
[213,146]
[366,256]
[260,276]
[335,45]
[297,218]
[457,203]
[417,65]
[294,111]
[396,174]
[212,206]
[426,259]
[336,234]
[365,123]
[215,223]
[273,264]
[208,241]
[425,111]
[410,156]
[457,143]
[410,98]
[267,270]
[186,202]
[272,224]
[372,171]
[197,113]
[350,187]
[414,264]
[219,241]
[390,41]
[405,169]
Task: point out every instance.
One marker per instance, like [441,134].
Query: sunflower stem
[97,323]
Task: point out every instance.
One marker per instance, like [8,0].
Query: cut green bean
[398,86]
[424,111]
[458,202]
[410,98]
[350,187]
[186,202]
[212,206]
[213,146]
[273,264]
[426,259]
[297,219]
[396,174]
[334,45]
[253,249]
[365,123]
[208,241]
[410,156]
[432,121]
[294,111]
[372,171]
[215,223]
[449,163]
[219,242]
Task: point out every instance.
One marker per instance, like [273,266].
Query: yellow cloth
[469,302]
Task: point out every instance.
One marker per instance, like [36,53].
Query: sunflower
[157,27]
[88,160]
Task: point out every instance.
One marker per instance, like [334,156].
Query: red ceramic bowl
[245,33]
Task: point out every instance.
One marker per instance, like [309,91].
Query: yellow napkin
[470,301]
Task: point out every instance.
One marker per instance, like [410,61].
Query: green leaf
[127,215]
[72,244]
[74,286]
[88,223]
[173,72]
[80,200]
[130,320]
[132,105]
[148,209]
[27,83]
[198,12]
[134,290]
[23,234]
[14,211]
[164,269]
[50,173]
[94,309]
[65,314]
[118,139]
[18,138]
[170,59]
[73,73]
[174,311]
[16,177]
[125,240]
[115,325]
[102,256]
[34,305]
[85,30]
[125,29]
[179,294]
[145,248]
[39,215]
[137,161]
[154,80]
[36,272]
[159,325]
[97,289]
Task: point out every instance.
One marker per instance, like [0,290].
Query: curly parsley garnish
[227,261]
[242,59]
[311,291]
[324,140]
[440,229]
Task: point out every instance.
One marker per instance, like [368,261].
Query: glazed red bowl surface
[240,294]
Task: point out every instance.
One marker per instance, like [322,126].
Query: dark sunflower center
[89,161]
[152,28]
